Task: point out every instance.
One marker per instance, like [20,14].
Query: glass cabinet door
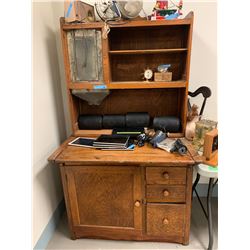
[85,55]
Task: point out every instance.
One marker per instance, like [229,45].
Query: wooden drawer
[165,220]
[166,175]
[165,193]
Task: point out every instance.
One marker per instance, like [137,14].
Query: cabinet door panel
[105,196]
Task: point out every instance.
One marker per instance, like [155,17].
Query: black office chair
[206,92]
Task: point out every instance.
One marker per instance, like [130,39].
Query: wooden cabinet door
[102,199]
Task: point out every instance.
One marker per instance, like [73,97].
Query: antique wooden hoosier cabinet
[142,194]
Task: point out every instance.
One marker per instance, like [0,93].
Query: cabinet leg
[72,236]
[185,242]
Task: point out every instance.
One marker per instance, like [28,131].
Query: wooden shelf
[131,85]
[83,85]
[147,23]
[130,47]
[96,133]
[146,51]
[147,85]
[140,22]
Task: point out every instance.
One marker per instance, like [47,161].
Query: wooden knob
[137,203]
[165,221]
[165,193]
[165,175]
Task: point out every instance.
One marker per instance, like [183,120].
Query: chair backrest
[205,91]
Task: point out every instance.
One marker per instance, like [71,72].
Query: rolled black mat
[90,122]
[137,119]
[113,121]
[170,124]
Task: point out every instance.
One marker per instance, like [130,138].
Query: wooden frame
[92,177]
[208,151]
[142,218]
[150,173]
[74,173]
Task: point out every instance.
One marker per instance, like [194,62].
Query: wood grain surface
[130,67]
[129,48]
[166,175]
[158,102]
[144,38]
[144,194]
[187,217]
[71,155]
[135,23]
[105,196]
[130,85]
[166,193]
[165,219]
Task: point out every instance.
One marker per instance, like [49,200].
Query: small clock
[148,74]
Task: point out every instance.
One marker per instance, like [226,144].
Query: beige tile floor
[198,236]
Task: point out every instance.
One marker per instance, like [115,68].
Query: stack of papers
[112,142]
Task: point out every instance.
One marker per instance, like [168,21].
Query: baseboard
[202,188]
[50,228]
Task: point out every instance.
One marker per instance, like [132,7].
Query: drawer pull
[165,193]
[137,203]
[165,221]
[165,175]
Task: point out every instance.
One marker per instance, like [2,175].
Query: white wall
[203,69]
[57,12]
[48,117]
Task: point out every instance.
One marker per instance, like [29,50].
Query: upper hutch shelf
[117,61]
[130,23]
[147,51]
[130,48]
[130,85]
